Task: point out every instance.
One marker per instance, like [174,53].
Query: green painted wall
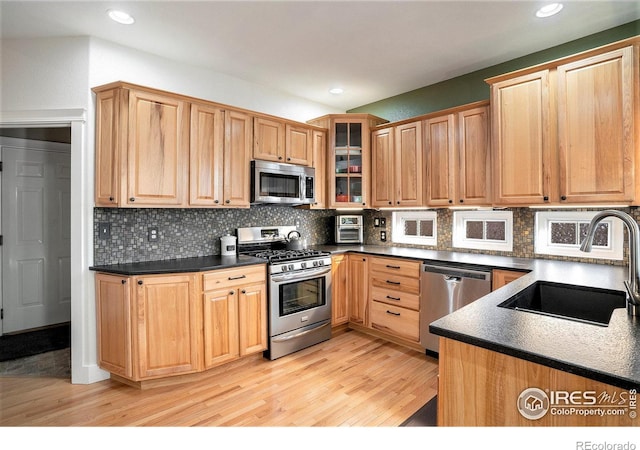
[472,87]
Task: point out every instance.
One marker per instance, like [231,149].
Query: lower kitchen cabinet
[502,277]
[358,287]
[167,332]
[339,293]
[156,326]
[394,297]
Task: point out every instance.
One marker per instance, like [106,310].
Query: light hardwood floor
[351,380]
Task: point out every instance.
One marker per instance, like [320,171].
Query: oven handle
[302,333]
[300,275]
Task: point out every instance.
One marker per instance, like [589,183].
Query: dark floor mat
[14,346]
[425,416]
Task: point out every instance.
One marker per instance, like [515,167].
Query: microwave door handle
[303,187]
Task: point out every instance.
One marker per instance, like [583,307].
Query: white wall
[38,75]
[112,62]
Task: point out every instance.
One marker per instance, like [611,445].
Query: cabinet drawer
[399,321]
[395,297]
[404,267]
[395,282]
[225,278]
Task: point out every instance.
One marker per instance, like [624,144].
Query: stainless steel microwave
[273,182]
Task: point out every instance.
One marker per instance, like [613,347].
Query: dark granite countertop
[608,354]
[197,264]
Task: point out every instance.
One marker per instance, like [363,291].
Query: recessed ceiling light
[549,10]
[336,91]
[121,17]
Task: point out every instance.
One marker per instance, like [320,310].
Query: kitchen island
[485,347]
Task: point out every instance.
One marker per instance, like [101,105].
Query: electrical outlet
[383,236]
[383,222]
[376,222]
[104,230]
[152,234]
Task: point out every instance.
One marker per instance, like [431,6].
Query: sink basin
[566,301]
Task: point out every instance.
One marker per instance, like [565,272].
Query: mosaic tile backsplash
[187,233]
[184,233]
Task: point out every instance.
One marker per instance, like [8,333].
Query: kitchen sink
[566,301]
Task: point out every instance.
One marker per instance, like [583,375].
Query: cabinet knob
[216,201]
[140,282]
[110,199]
[227,201]
[123,281]
[132,199]
[391,203]
[364,204]
[280,157]
[564,197]
[243,291]
[545,198]
[461,200]
[398,202]
[288,159]
[231,292]
[450,201]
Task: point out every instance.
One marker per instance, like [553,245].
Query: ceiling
[373,50]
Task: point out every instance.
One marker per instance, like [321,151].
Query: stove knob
[290,266]
[284,268]
[315,264]
[321,263]
[303,265]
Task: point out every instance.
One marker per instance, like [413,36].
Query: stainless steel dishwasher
[445,289]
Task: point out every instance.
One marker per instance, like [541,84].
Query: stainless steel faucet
[633,284]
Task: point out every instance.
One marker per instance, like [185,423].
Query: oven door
[299,299]
[348,235]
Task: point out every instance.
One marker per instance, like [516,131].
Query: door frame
[84,368]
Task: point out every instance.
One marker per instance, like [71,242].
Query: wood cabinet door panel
[113,313]
[158,150]
[408,164]
[298,148]
[237,154]
[252,307]
[339,295]
[220,325]
[358,285]
[595,128]
[382,163]
[521,139]
[167,325]
[111,141]
[269,140]
[319,144]
[439,138]
[206,151]
[474,159]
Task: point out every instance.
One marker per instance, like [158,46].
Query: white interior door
[36,269]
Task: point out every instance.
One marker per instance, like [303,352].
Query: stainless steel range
[299,289]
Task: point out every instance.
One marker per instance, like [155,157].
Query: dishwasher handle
[452,279]
[457,272]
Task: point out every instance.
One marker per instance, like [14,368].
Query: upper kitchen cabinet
[349,158]
[565,132]
[522,142]
[457,152]
[275,140]
[396,166]
[596,127]
[220,151]
[142,148]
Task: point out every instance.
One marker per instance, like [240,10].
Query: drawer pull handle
[393,282]
[392,267]
[393,313]
[237,278]
[393,298]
